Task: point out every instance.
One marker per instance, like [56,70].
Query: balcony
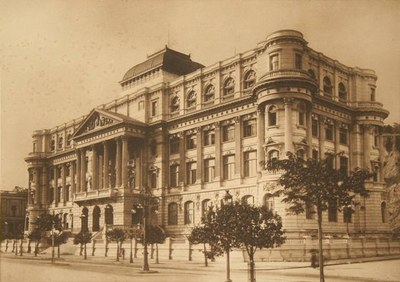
[94,195]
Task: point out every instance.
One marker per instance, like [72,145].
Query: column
[381,154]
[309,130]
[29,187]
[125,158]
[218,163]
[37,186]
[182,165]
[367,145]
[238,147]
[83,170]
[261,138]
[118,163]
[55,194]
[336,124]
[45,186]
[95,173]
[106,183]
[199,150]
[288,126]
[321,137]
[63,183]
[72,170]
[78,171]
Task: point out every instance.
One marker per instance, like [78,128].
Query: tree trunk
[252,277]
[16,247]
[29,246]
[117,251]
[6,246]
[81,250]
[228,267]
[36,248]
[157,262]
[320,248]
[85,257]
[131,254]
[20,248]
[205,256]
[58,251]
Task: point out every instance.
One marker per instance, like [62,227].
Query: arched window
[269,202]
[85,219]
[65,221]
[332,211]
[175,104]
[191,99]
[342,92]
[189,212]
[327,86]
[383,212]
[302,114]
[248,200]
[69,139]
[96,219]
[272,116]
[205,207]
[301,154]
[249,79]
[229,86]
[52,145]
[173,214]
[273,155]
[109,215]
[312,74]
[60,142]
[209,93]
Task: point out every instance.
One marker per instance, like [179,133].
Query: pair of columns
[121,169]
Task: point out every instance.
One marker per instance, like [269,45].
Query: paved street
[72,269]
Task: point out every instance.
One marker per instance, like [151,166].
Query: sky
[60,59]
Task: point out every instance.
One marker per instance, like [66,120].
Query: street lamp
[228,199]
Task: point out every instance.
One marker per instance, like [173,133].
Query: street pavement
[73,268]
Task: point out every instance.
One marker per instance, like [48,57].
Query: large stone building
[13,206]
[189,133]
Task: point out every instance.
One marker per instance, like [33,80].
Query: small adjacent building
[13,205]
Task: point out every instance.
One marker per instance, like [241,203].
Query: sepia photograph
[199,140]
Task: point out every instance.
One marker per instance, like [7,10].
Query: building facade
[13,206]
[186,134]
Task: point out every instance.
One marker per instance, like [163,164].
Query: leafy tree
[35,235]
[117,235]
[154,235]
[203,234]
[257,228]
[316,182]
[83,238]
[59,239]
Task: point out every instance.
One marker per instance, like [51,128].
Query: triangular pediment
[97,120]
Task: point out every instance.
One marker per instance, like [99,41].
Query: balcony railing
[286,73]
[94,194]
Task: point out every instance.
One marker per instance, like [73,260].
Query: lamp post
[228,200]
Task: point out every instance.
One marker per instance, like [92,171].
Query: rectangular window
[209,137]
[154,108]
[191,173]
[229,166]
[344,165]
[174,145]
[174,175]
[228,133]
[153,179]
[302,118]
[332,212]
[67,189]
[298,61]
[347,214]
[141,105]
[249,128]
[209,170]
[373,94]
[274,62]
[315,154]
[329,132]
[310,212]
[343,135]
[250,163]
[191,141]
[315,125]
